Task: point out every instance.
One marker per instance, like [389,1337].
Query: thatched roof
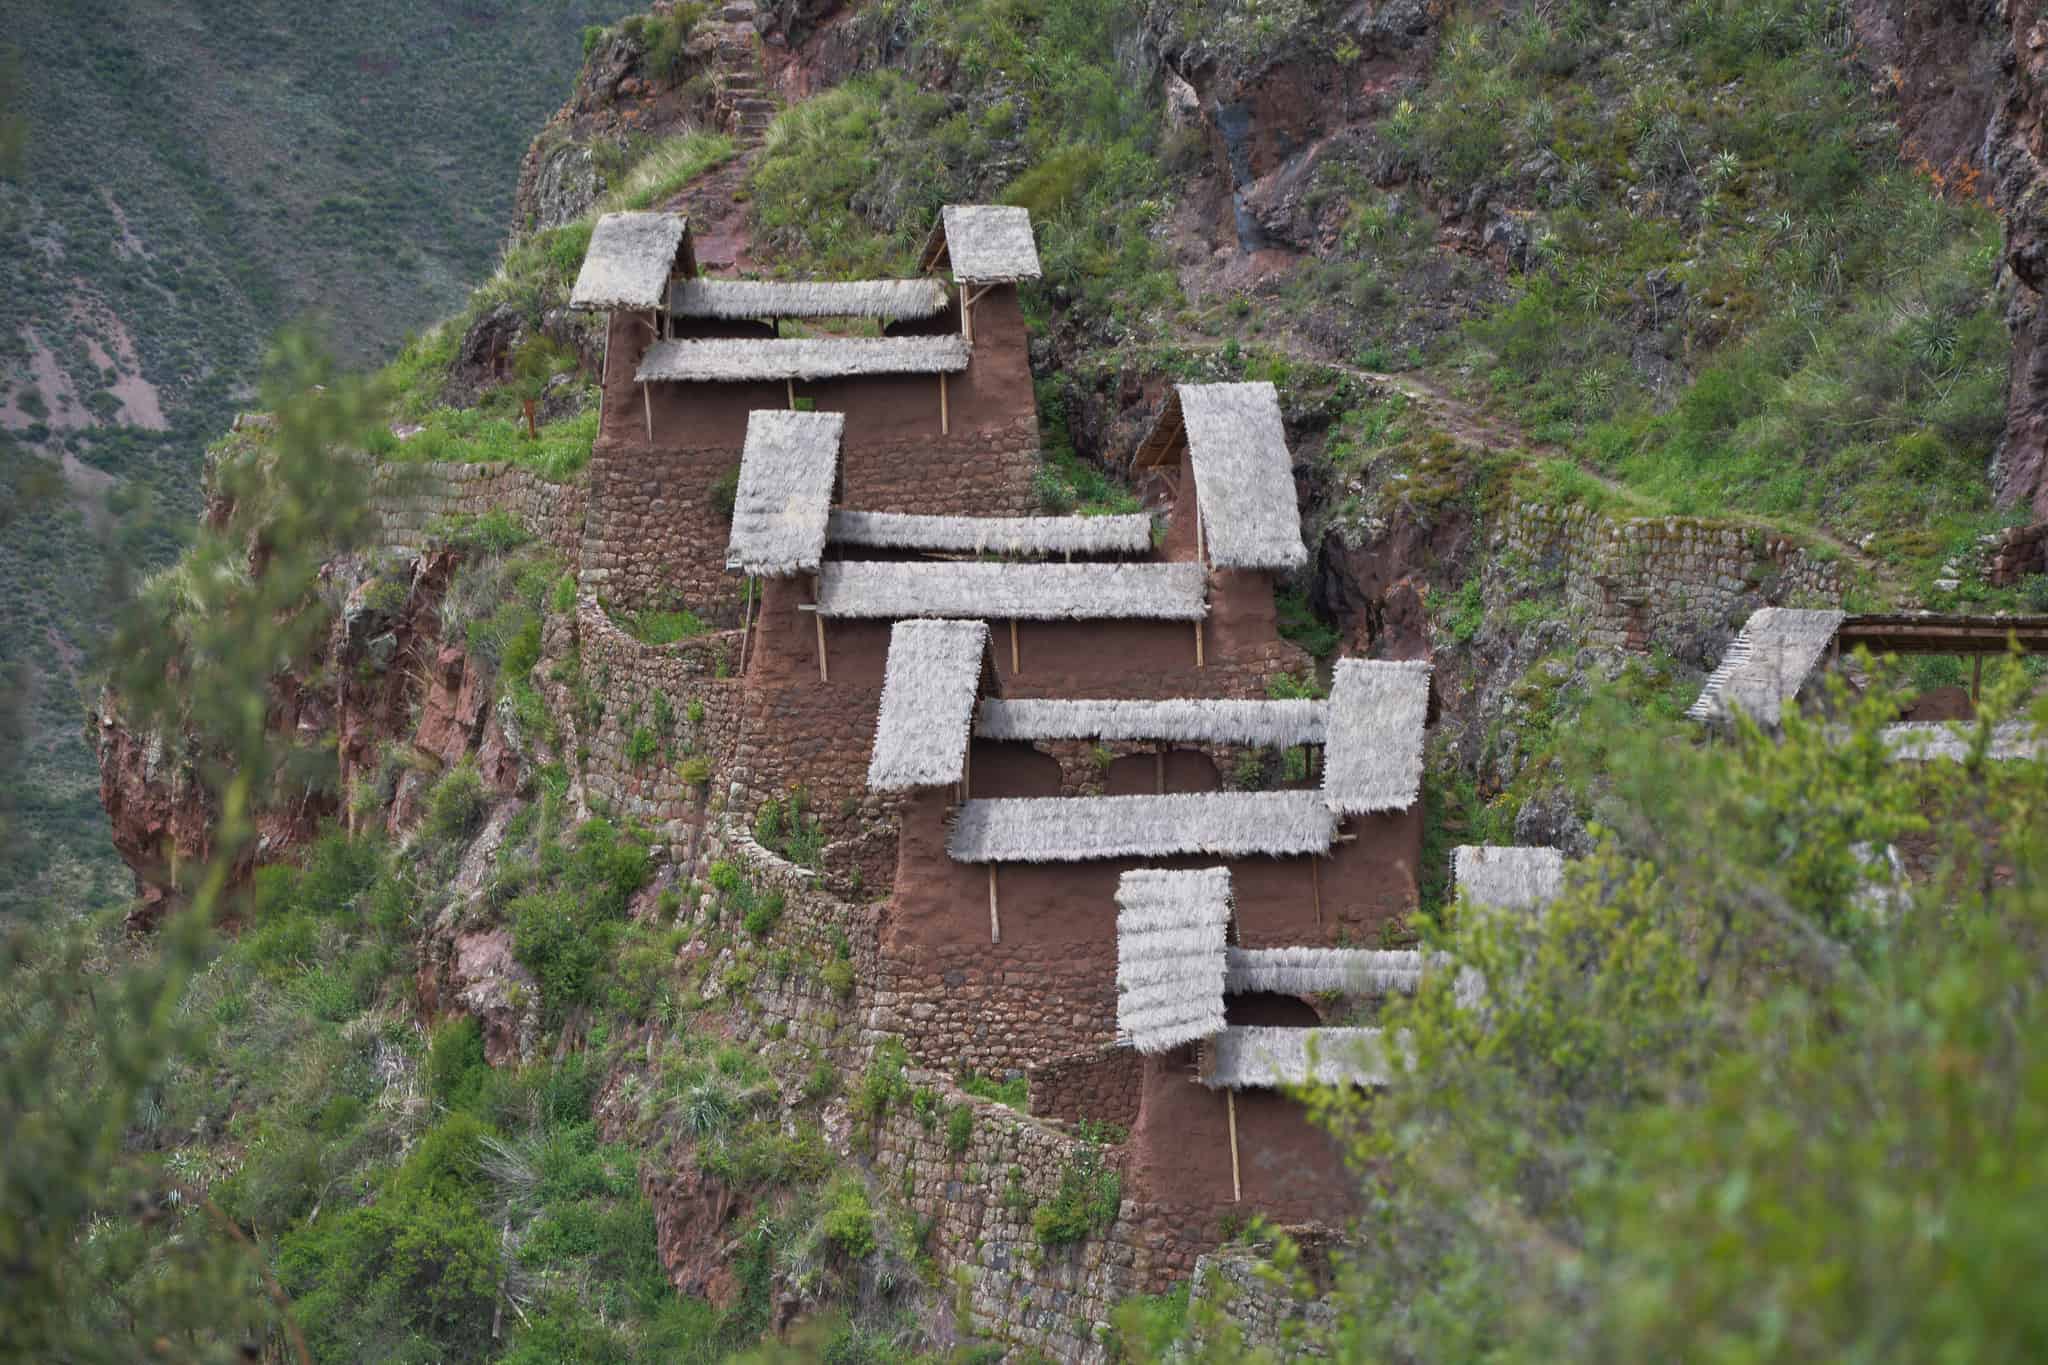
[1019,537]
[1072,829]
[1269,724]
[984,244]
[928,690]
[1776,652]
[787,468]
[1374,757]
[746,360]
[1170,929]
[1244,479]
[1024,592]
[1505,878]
[1319,971]
[1919,741]
[1243,1057]
[737,300]
[628,262]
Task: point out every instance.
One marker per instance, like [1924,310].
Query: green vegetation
[784,825]
[1087,1200]
[1014,1092]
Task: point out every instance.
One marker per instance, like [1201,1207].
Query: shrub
[694,771]
[641,746]
[764,915]
[838,977]
[1014,1092]
[1087,1200]
[959,1128]
[456,1069]
[849,1220]
[552,938]
[455,803]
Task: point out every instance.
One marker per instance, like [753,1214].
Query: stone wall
[629,682]
[408,500]
[1654,580]
[1099,1086]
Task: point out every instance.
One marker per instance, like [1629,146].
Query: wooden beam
[1015,667]
[995,919]
[1236,1185]
[604,370]
[790,385]
[1198,644]
[824,674]
[945,419]
[647,402]
[746,625]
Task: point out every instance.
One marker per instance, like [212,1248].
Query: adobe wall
[653,532]
[1647,581]
[407,501]
[1289,1169]
[1047,989]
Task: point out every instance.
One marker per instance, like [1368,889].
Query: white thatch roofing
[628,261]
[984,243]
[1269,724]
[1506,878]
[1919,741]
[1015,536]
[1249,1058]
[1072,829]
[1170,929]
[1244,480]
[787,469]
[747,360]
[1373,761]
[1024,592]
[738,300]
[928,690]
[1767,664]
[1319,971]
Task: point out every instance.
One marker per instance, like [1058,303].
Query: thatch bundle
[1919,741]
[984,244]
[1019,537]
[928,690]
[1506,878]
[1244,479]
[1268,724]
[628,261]
[1023,592]
[1766,665]
[746,360]
[1321,971]
[1170,929]
[1373,761]
[741,300]
[1249,1058]
[779,512]
[1061,829]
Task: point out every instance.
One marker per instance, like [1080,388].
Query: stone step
[754,105]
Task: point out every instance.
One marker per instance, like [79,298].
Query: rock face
[2019,180]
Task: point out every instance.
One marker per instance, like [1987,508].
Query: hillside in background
[192,176]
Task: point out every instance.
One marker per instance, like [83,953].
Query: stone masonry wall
[630,681]
[1652,581]
[409,499]
[1101,1086]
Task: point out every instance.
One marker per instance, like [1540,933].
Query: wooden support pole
[1236,1185]
[604,371]
[1201,549]
[1014,666]
[967,314]
[1976,676]
[995,920]
[790,385]
[824,673]
[746,625]
[647,402]
[945,418]
[1198,645]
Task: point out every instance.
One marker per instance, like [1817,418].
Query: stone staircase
[744,107]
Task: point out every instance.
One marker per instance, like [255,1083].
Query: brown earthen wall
[1099,1086]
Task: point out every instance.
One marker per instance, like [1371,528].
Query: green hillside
[190,177]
